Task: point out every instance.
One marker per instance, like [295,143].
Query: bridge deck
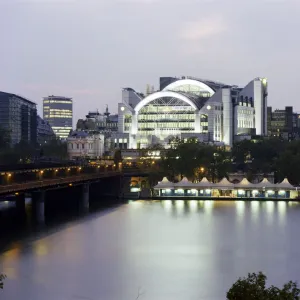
[48,183]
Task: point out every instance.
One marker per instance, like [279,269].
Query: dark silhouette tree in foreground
[2,277]
[254,288]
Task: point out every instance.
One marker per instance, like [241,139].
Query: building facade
[85,145]
[44,131]
[190,107]
[283,123]
[58,112]
[103,123]
[18,115]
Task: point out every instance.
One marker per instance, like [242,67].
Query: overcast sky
[90,49]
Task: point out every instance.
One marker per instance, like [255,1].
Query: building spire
[107,113]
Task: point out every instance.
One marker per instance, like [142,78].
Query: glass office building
[18,115]
[58,112]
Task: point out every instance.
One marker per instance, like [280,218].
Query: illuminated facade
[58,111]
[190,107]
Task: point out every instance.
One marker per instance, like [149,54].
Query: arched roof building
[190,107]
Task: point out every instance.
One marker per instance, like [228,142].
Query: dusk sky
[90,49]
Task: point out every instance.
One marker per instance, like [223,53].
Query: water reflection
[240,209]
[125,247]
[282,206]
[193,206]
[179,204]
[270,205]
[208,206]
[255,205]
[167,204]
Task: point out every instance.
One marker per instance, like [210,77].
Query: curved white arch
[163,94]
[182,82]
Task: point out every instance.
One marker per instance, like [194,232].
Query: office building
[58,111]
[283,123]
[190,107]
[18,115]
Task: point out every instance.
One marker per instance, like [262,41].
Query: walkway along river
[171,250]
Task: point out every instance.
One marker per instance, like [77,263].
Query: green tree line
[195,160]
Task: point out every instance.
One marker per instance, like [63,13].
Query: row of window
[58,101]
[244,104]
[245,111]
[167,117]
[245,124]
[165,125]
[89,146]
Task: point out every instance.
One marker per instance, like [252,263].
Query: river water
[164,250]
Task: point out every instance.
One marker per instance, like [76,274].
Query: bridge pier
[38,206]
[20,205]
[85,198]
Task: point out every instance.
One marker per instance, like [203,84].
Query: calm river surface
[170,250]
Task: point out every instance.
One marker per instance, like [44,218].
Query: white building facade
[83,145]
[191,107]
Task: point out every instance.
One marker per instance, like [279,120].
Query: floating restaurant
[226,189]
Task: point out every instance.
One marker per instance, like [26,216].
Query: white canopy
[224,184]
[204,183]
[245,183]
[285,185]
[265,183]
[184,183]
[165,183]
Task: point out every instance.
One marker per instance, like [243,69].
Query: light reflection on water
[173,250]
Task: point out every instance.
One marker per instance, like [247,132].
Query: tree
[254,288]
[118,157]
[2,278]
[55,148]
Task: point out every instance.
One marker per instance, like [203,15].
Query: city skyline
[93,51]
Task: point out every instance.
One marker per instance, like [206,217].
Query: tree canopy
[254,287]
[195,160]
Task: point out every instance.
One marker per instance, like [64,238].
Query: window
[82,146]
[77,146]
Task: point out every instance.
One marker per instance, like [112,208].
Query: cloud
[202,29]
